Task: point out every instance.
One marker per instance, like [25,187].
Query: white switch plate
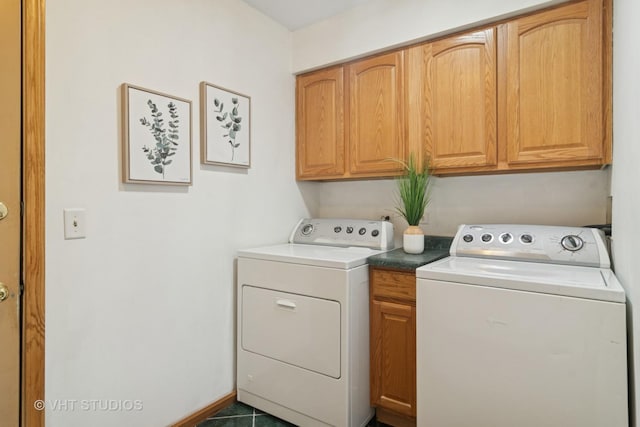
[74,223]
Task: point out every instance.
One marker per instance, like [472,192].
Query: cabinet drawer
[393,284]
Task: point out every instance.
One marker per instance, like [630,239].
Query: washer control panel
[537,243]
[344,233]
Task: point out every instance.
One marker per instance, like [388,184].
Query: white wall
[560,198]
[626,173]
[143,308]
[381,24]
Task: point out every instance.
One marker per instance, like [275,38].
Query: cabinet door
[376,127]
[554,86]
[320,125]
[460,94]
[393,357]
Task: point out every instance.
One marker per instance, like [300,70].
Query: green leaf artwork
[230,122]
[166,138]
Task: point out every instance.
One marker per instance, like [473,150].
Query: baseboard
[207,411]
[393,419]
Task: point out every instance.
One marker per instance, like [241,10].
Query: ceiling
[295,14]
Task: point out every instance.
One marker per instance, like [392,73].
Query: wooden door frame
[33,192]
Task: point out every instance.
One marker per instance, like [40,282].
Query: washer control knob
[349,230]
[362,231]
[487,237]
[307,229]
[467,238]
[337,229]
[506,238]
[375,233]
[572,242]
[526,239]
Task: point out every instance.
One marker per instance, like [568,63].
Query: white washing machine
[521,326]
[303,322]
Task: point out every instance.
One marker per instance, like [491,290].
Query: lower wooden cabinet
[393,345]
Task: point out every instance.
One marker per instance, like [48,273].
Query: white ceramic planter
[413,240]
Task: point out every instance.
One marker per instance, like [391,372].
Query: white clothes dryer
[303,322]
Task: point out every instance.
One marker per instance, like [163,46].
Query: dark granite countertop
[435,247]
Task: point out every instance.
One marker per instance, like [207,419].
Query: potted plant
[413,198]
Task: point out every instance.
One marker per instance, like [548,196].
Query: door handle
[4,292]
[3,211]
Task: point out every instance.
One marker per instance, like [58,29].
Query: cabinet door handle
[286,303]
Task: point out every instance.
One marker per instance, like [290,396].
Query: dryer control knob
[572,242]
[307,229]
[526,239]
[486,237]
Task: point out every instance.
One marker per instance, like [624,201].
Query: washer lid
[574,281]
[320,256]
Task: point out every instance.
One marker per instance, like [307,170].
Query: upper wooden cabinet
[554,86]
[461,100]
[532,93]
[350,120]
[376,112]
[320,124]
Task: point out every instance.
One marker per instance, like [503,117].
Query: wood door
[461,100]
[10,225]
[554,86]
[376,115]
[393,357]
[320,149]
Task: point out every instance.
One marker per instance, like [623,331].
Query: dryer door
[299,330]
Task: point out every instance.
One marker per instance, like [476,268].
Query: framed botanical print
[225,123]
[156,135]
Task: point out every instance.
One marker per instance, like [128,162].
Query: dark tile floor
[241,415]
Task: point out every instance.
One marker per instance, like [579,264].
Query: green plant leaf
[413,190]
[158,168]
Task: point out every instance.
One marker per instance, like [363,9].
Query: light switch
[74,223]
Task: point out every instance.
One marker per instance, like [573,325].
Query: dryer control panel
[343,232]
[535,243]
